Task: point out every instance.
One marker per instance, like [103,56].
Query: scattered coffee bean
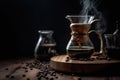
[24,67]
[67,60]
[53,74]
[39,78]
[28,79]
[6,68]
[46,78]
[7,76]
[12,77]
[31,69]
[23,75]
[68,57]
[26,70]
[51,78]
[56,77]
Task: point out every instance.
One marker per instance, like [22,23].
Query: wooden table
[24,69]
[84,66]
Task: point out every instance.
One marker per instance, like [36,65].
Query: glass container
[80,45]
[46,46]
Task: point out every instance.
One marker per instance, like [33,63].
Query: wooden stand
[61,63]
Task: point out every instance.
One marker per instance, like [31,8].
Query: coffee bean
[6,68]
[25,67]
[28,79]
[53,74]
[67,60]
[7,76]
[68,57]
[26,70]
[51,78]
[31,69]
[12,77]
[46,78]
[38,78]
[56,77]
[23,75]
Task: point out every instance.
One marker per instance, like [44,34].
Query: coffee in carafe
[80,45]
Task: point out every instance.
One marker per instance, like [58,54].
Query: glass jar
[113,43]
[46,46]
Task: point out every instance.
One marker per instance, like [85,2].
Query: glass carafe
[80,45]
[46,46]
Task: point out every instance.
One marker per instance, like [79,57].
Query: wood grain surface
[60,63]
[24,69]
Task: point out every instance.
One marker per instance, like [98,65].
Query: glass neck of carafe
[80,19]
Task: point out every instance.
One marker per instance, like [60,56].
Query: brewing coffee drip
[80,45]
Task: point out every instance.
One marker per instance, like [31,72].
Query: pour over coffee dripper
[80,45]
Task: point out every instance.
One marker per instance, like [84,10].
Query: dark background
[20,21]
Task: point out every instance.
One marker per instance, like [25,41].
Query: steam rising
[89,7]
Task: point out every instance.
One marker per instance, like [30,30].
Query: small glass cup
[113,51]
[110,41]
